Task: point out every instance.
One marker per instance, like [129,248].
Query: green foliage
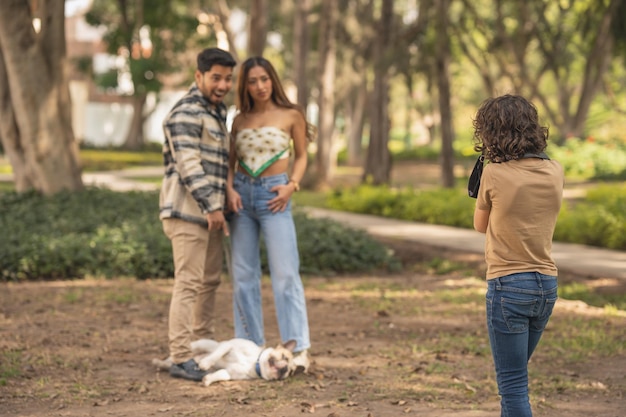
[106,80]
[154,36]
[143,74]
[329,247]
[589,159]
[104,233]
[450,207]
[599,220]
[95,232]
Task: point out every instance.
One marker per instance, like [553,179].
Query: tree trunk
[597,64]
[378,164]
[257,36]
[135,137]
[38,133]
[442,59]
[326,159]
[301,41]
[223,12]
[355,126]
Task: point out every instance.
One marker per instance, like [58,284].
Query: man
[192,204]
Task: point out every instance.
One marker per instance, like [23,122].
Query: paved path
[115,180]
[580,259]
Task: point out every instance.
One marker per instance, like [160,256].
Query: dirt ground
[381,348]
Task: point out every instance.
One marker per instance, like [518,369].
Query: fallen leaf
[307,407]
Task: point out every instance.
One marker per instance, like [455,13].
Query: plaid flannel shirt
[195,155]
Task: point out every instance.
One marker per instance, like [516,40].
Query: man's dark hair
[214,56]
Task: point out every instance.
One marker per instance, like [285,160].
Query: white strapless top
[260,147]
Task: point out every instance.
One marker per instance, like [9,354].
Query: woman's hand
[233,200]
[279,203]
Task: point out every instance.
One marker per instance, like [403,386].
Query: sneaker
[187,370]
[302,362]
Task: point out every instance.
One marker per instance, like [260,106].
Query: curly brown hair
[507,127]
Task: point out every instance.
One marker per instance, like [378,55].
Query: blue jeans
[279,234]
[518,309]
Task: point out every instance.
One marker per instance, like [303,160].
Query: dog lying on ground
[239,359]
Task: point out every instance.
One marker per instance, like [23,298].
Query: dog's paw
[162,364]
[219,375]
[205,364]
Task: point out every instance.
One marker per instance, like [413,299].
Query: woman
[517,206]
[259,192]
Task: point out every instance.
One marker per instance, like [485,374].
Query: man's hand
[217,221]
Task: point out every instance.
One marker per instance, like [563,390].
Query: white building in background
[103,119]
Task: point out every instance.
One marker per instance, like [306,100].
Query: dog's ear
[290,345]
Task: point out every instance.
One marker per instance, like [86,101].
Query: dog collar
[257,365]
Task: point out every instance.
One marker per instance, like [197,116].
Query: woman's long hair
[507,127]
[245,103]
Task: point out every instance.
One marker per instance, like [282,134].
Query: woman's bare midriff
[278,167]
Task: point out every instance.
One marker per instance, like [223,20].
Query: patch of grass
[125,297]
[582,292]
[108,160]
[461,296]
[574,338]
[150,180]
[10,364]
[73,297]
[439,266]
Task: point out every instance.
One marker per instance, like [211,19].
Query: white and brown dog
[238,359]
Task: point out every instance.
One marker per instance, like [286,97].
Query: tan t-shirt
[524,197]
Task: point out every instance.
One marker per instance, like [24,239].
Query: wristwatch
[296,184]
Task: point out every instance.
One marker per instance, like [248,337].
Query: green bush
[598,220]
[95,232]
[327,246]
[449,207]
[591,160]
[105,233]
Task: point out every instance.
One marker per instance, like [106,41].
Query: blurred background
[382,79]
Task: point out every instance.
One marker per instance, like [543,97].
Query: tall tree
[301,45]
[378,164]
[223,12]
[553,52]
[442,66]
[356,37]
[325,157]
[257,34]
[35,119]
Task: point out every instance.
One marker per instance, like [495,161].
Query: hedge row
[104,233]
[598,220]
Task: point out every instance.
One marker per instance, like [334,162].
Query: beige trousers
[197,268]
